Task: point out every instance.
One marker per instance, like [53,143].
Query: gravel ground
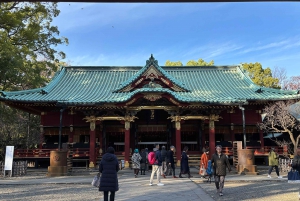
[256,191]
[63,192]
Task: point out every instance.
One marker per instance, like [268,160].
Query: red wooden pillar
[92,144]
[178,141]
[212,138]
[127,143]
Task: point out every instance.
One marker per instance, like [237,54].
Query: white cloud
[274,47]
[211,51]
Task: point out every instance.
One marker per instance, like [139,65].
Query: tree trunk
[296,144]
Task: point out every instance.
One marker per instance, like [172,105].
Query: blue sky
[229,33]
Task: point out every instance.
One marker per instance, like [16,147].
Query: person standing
[147,162]
[296,163]
[170,160]
[220,161]
[273,162]
[143,161]
[184,163]
[296,160]
[108,168]
[204,162]
[136,164]
[156,166]
[164,163]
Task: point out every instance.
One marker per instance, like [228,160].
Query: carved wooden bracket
[214,117]
[152,97]
[93,119]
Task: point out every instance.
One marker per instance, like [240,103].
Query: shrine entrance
[153,126]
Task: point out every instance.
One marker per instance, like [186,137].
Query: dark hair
[185,148]
[155,145]
[110,150]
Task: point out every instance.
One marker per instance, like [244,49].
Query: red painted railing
[45,153]
[258,151]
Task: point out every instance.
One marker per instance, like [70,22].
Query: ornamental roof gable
[152,76]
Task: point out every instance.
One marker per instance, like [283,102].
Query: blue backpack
[209,169]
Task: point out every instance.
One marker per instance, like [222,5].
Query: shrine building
[130,107]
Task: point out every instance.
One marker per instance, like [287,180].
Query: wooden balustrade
[45,153]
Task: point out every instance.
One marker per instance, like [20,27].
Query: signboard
[9,156]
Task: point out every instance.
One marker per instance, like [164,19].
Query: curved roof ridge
[257,87]
[57,77]
[46,89]
[14,93]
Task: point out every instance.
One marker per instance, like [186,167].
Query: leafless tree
[280,74]
[293,83]
[282,143]
[280,120]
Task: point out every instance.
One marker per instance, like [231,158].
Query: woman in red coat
[204,161]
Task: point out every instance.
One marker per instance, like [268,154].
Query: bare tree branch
[279,119]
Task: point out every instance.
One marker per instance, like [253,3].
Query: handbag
[96,180]
[293,176]
[202,170]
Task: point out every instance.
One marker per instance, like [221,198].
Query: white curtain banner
[9,156]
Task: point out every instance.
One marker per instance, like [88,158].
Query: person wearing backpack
[143,161]
[155,160]
[220,161]
[170,160]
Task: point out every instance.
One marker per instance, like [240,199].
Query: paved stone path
[36,187]
[79,188]
[254,190]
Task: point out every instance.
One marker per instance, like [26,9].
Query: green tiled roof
[77,85]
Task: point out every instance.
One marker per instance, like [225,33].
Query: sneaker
[280,177]
[150,184]
[269,176]
[160,184]
[175,177]
[221,194]
[164,176]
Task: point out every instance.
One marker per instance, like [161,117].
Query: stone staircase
[194,159]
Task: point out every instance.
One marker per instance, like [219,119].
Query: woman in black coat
[109,167]
[184,163]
